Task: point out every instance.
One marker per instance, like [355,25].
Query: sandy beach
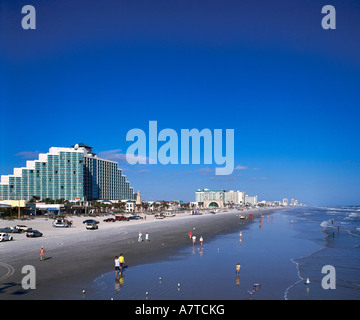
[76,255]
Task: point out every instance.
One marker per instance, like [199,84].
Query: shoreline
[75,256]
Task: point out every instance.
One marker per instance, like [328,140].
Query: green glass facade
[66,173]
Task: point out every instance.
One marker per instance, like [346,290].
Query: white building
[201,194]
[235,197]
[251,200]
[210,198]
[130,205]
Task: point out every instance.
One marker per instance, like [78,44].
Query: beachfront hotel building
[207,198]
[74,174]
[235,198]
[210,198]
[251,200]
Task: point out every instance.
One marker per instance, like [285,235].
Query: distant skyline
[93,70]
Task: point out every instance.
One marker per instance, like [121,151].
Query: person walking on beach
[238,268]
[147,237]
[121,262]
[190,234]
[117,266]
[194,239]
[201,240]
[42,253]
[140,237]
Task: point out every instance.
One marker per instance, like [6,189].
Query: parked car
[90,221]
[61,223]
[5,237]
[91,226]
[169,214]
[33,234]
[13,230]
[121,218]
[159,216]
[134,218]
[109,220]
[22,227]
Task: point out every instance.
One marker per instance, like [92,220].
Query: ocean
[276,255]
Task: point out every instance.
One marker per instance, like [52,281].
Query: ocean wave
[297,263]
[354,215]
[336,209]
[332,213]
[326,224]
[339,209]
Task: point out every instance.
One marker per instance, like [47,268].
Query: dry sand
[75,256]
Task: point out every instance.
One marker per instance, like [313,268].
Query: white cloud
[116,155]
[205,171]
[238,167]
[144,171]
[28,154]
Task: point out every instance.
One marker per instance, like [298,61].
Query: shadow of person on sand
[8,287]
[47,258]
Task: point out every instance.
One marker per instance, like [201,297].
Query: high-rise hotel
[74,174]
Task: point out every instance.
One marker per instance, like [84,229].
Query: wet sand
[75,256]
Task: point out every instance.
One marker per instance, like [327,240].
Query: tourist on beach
[190,234]
[238,268]
[140,237]
[147,237]
[121,262]
[194,239]
[117,266]
[201,240]
[42,253]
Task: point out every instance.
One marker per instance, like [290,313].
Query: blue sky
[93,70]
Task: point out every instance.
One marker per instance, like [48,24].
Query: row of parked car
[122,218]
[92,224]
[20,228]
[164,215]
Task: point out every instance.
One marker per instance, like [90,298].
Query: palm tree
[164,205]
[145,206]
